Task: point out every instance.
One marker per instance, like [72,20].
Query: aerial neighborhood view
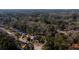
[39,29]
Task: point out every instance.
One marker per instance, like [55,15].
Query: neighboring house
[74,46]
[25,38]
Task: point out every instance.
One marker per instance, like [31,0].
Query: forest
[39,29]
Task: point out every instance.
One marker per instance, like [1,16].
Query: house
[28,37]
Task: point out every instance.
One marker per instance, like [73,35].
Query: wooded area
[51,29]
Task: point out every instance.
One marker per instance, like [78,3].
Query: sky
[39,4]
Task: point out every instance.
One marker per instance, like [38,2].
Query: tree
[58,43]
[61,42]
[7,42]
[49,45]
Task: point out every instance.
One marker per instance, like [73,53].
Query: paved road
[12,34]
[8,32]
[38,46]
